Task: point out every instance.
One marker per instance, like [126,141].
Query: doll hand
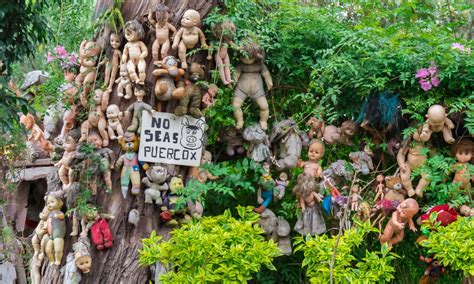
[174,46]
[269,85]
[400,226]
[413,228]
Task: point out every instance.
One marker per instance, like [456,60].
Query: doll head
[53,202]
[162,13]
[380,179]
[83,262]
[355,188]
[436,115]
[139,92]
[348,128]
[95,139]
[206,157]
[129,142]
[191,18]
[115,40]
[28,121]
[283,176]
[408,208]
[113,111]
[176,183]
[368,151]
[70,71]
[224,30]
[252,52]
[463,150]
[69,144]
[43,215]
[316,150]
[266,168]
[98,93]
[134,31]
[92,49]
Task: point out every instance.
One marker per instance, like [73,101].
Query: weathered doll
[208,100]
[317,128]
[355,198]
[69,89]
[437,121]
[129,160]
[158,19]
[114,116]
[96,118]
[40,237]
[56,229]
[259,149]
[395,229]
[281,185]
[248,75]
[380,189]
[362,161]
[223,32]
[188,35]
[135,52]
[71,273]
[64,165]
[124,83]
[340,135]
[137,108]
[88,54]
[112,67]
[287,141]
[464,171]
[105,163]
[168,73]
[82,255]
[312,167]
[191,101]
[40,147]
[155,184]
[265,191]
[311,220]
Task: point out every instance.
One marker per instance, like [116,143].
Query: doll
[129,160]
[36,140]
[64,165]
[341,135]
[224,32]
[167,73]
[281,185]
[159,22]
[168,210]
[233,139]
[82,255]
[248,75]
[69,89]
[265,191]
[362,161]
[71,273]
[106,158]
[466,211]
[380,189]
[56,229]
[96,118]
[155,182]
[432,272]
[41,235]
[259,149]
[355,197]
[437,121]
[208,98]
[312,167]
[88,53]
[410,157]
[317,127]
[137,108]
[191,101]
[394,230]
[101,234]
[311,220]
[114,116]
[464,171]
[287,141]
[135,52]
[112,68]
[134,217]
[188,35]
[124,83]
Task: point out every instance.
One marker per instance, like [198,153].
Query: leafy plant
[215,249]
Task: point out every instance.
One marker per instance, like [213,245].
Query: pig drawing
[191,135]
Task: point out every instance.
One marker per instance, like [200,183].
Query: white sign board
[170,139]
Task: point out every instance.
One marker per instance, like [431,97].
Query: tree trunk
[119,264]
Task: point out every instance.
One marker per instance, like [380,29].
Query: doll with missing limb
[249,74]
[224,32]
[96,118]
[105,163]
[464,171]
[88,53]
[437,121]
[36,138]
[56,229]
[317,128]
[138,108]
[112,67]
[135,52]
[355,198]
[394,230]
[188,35]
[158,19]
[315,152]
[41,235]
[124,83]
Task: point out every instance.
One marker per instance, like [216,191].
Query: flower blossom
[61,51]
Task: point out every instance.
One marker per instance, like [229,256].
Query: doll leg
[111,132]
[75,224]
[36,242]
[128,90]
[64,175]
[131,71]
[120,88]
[264,113]
[141,71]
[155,48]
[397,237]
[227,69]
[84,131]
[424,182]
[220,64]
[108,181]
[87,87]
[182,108]
[107,79]
[134,125]
[135,178]
[405,176]
[44,243]
[58,250]
[106,234]
[119,131]
[448,135]
[124,180]
[194,105]
[182,55]
[49,251]
[102,126]
[239,116]
[387,235]
[113,75]
[165,48]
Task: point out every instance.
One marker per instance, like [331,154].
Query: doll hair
[252,49]
[70,67]
[137,27]
[463,146]
[305,186]
[224,29]
[316,141]
[160,12]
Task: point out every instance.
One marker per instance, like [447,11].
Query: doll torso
[190,37]
[462,174]
[414,158]
[56,225]
[250,81]
[134,50]
[311,168]
[162,32]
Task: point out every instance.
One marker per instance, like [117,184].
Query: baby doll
[159,21]
[380,189]
[281,185]
[463,150]
[311,220]
[107,156]
[317,127]
[114,115]
[355,197]
[70,271]
[340,135]
[112,67]
[96,118]
[224,32]
[129,160]
[65,171]
[135,52]
[124,82]
[208,98]
[248,75]
[41,235]
[69,89]
[137,108]
[188,35]
[312,167]
[88,53]
[82,255]
[437,121]
[259,149]
[362,161]
[36,137]
[56,229]
[394,230]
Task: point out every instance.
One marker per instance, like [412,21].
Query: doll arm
[203,38]
[394,218]
[266,75]
[259,196]
[172,29]
[237,73]
[82,47]
[125,54]
[319,171]
[144,50]
[151,20]
[302,204]
[317,197]
[401,156]
[448,123]
[129,109]
[119,162]
[177,38]
[146,181]
[412,225]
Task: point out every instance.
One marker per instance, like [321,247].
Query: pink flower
[49,57]
[422,73]
[61,51]
[425,85]
[73,58]
[457,46]
[433,70]
[435,81]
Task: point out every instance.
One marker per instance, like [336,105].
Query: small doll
[466,211]
[233,139]
[340,135]
[155,182]
[97,118]
[281,185]
[64,165]
[39,144]
[169,210]
[317,127]
[265,191]
[106,156]
[312,167]
[224,32]
[88,53]
[82,255]
[124,83]
[69,89]
[41,235]
[112,67]
[159,22]
[362,161]
[248,75]
[355,198]
[135,52]
[137,108]
[56,229]
[188,35]
[311,220]
[208,98]
[114,116]
[380,189]
[71,273]
[129,160]
[394,230]
[437,121]
[259,149]
[463,151]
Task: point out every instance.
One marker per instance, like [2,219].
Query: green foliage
[112,17]
[220,249]
[372,266]
[452,245]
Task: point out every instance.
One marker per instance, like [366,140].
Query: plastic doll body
[124,83]
[112,68]
[56,230]
[463,151]
[40,232]
[88,53]
[315,153]
[394,231]
[106,157]
[135,52]
[437,121]
[317,128]
[281,185]
[137,108]
[129,162]
[114,115]
[355,198]
[162,28]
[96,118]
[36,134]
[65,172]
[380,189]
[223,32]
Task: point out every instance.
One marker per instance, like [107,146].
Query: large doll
[56,229]
[249,74]
[159,21]
[464,171]
[88,54]
[129,160]
[135,52]
[437,121]
[312,167]
[137,108]
[395,229]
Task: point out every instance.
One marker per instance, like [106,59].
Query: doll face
[113,111]
[98,96]
[380,178]
[463,156]
[406,209]
[115,41]
[70,144]
[139,93]
[283,176]
[190,19]
[53,203]
[84,263]
[27,121]
[131,34]
[316,151]
[96,140]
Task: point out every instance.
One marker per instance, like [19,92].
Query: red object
[446,214]
[101,235]
[165,216]
[335,193]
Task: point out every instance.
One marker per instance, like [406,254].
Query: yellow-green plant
[218,249]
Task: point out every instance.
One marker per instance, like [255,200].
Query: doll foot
[100,247]
[411,192]
[239,125]
[124,191]
[419,193]
[184,65]
[263,124]
[120,94]
[73,233]
[57,262]
[135,190]
[159,201]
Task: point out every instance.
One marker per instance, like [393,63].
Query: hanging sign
[170,139]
